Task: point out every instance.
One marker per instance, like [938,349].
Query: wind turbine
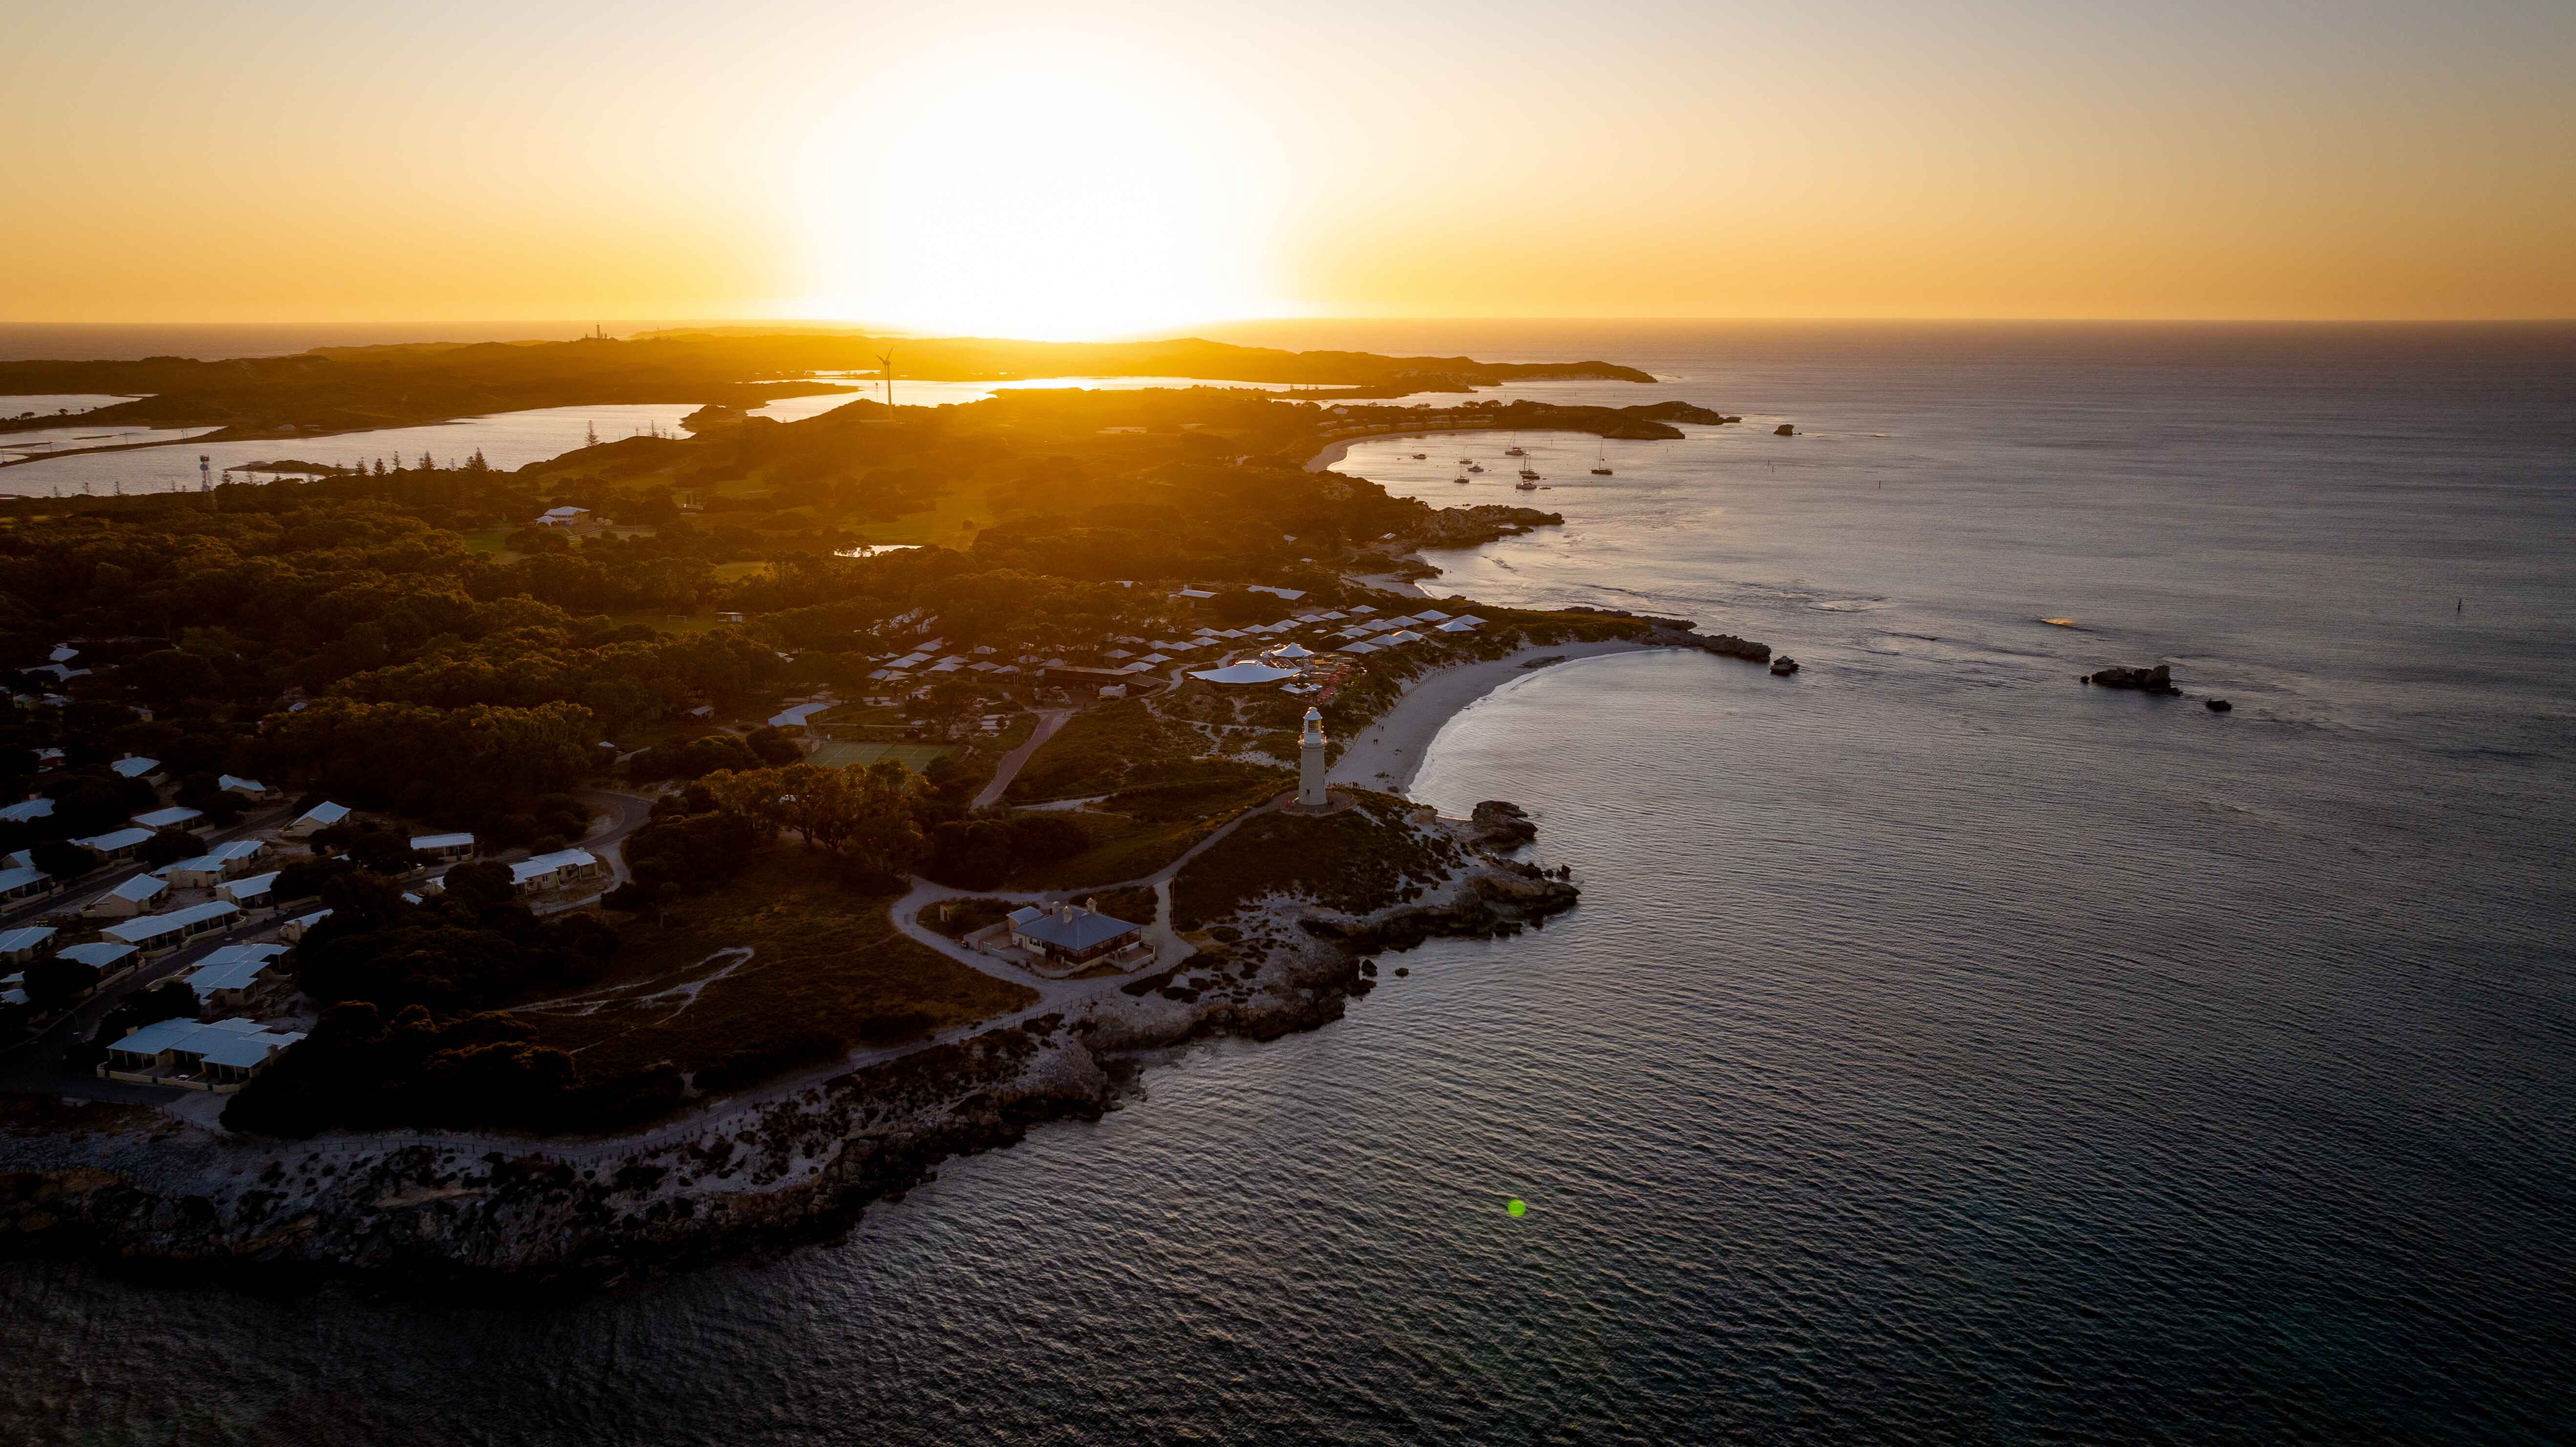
[887,360]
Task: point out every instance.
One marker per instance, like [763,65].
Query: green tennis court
[840,754]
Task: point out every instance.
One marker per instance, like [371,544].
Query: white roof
[543,864]
[308,921]
[26,809]
[1404,635]
[1429,615]
[21,878]
[234,967]
[325,814]
[1461,624]
[1193,593]
[164,818]
[119,839]
[1245,672]
[12,941]
[233,849]
[442,841]
[796,717]
[140,888]
[133,768]
[247,786]
[1361,648]
[564,512]
[1290,650]
[247,886]
[153,926]
[98,954]
[248,1050]
[1291,594]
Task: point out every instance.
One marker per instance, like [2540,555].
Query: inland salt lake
[1944,1051]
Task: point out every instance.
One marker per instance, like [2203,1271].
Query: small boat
[1515,452]
[1466,461]
[1420,456]
[1601,451]
[1525,487]
[1528,476]
[1475,467]
[1600,472]
[1461,478]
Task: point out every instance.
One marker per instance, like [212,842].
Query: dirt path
[1049,721]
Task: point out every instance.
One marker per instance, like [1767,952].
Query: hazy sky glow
[1043,171]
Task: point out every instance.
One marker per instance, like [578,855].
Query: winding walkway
[1049,721]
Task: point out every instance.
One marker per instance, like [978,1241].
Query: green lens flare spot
[1516,1206]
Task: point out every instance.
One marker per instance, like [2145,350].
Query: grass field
[841,753]
[782,968]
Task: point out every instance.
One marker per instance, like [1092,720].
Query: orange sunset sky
[1047,172]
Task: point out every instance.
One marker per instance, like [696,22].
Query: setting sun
[1047,191]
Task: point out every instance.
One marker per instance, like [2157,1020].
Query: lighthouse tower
[1310,764]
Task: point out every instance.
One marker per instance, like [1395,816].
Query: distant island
[663,850]
[345,389]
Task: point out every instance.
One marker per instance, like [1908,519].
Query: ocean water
[1944,1051]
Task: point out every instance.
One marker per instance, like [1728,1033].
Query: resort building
[226,975]
[215,865]
[1071,933]
[220,1057]
[563,868]
[251,892]
[295,929]
[314,820]
[154,933]
[801,717]
[18,946]
[27,811]
[251,789]
[130,898]
[133,767]
[24,880]
[443,846]
[171,818]
[117,844]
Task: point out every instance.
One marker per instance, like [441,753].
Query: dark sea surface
[1944,1051]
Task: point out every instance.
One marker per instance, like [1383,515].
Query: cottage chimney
[1064,911]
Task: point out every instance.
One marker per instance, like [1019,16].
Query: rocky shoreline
[490,1217]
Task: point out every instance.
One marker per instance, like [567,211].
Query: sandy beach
[1333,453]
[1389,754]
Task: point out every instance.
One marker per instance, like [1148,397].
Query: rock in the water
[2158,679]
[1500,824]
[1784,430]
[1784,665]
[2220,705]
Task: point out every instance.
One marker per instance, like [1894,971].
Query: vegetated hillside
[348,388]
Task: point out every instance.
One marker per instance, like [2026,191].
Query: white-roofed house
[802,716]
[563,517]
[134,766]
[18,946]
[115,844]
[297,928]
[26,810]
[216,865]
[1244,672]
[228,973]
[251,789]
[109,959]
[1401,635]
[314,820]
[1463,623]
[170,818]
[250,892]
[220,1056]
[130,898]
[443,846]
[153,933]
[561,869]
[23,881]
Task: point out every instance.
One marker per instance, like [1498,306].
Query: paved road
[98,884]
[1049,720]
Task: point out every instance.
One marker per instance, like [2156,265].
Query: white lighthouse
[1310,764]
